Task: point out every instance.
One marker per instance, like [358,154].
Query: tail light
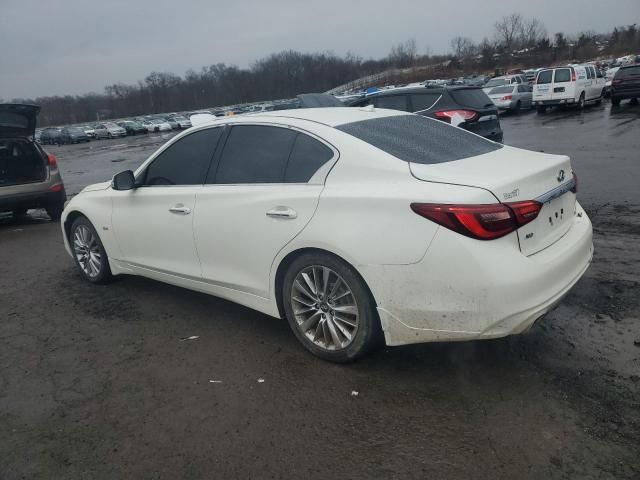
[447,115]
[575,183]
[482,222]
[56,187]
[507,97]
[51,160]
[616,81]
[573,75]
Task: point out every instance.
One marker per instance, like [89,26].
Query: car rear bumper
[626,93]
[465,289]
[554,102]
[32,200]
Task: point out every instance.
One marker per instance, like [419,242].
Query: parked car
[504,80]
[150,127]
[626,84]
[182,122]
[73,135]
[109,130]
[466,107]
[29,176]
[514,97]
[358,202]
[572,85]
[608,77]
[50,136]
[132,128]
[172,123]
[160,125]
[89,131]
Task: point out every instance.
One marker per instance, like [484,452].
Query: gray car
[514,97]
[109,130]
[29,176]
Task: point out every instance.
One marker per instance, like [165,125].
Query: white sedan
[357,225]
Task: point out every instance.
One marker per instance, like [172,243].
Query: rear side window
[562,75]
[471,97]
[423,101]
[255,154]
[184,162]
[628,72]
[523,88]
[393,102]
[307,156]
[589,73]
[417,139]
[544,76]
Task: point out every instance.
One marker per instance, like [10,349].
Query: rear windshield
[562,75]
[508,89]
[544,76]
[471,97]
[628,72]
[496,82]
[417,139]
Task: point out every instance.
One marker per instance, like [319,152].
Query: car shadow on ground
[33,217]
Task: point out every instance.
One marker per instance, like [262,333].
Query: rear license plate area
[558,90]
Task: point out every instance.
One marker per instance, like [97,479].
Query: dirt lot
[98,382]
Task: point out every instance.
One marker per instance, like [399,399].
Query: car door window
[562,75]
[544,77]
[307,156]
[423,101]
[393,102]
[186,161]
[255,154]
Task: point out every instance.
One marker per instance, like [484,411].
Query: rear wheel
[541,109]
[599,100]
[329,308]
[518,107]
[88,251]
[581,102]
[55,211]
[615,101]
[19,212]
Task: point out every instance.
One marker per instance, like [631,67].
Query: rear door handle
[180,209]
[282,212]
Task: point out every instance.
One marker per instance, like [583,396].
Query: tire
[55,211]
[599,100]
[19,212]
[581,102]
[541,109]
[615,101]
[88,252]
[518,107]
[338,336]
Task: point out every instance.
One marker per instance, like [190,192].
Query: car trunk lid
[513,175]
[18,120]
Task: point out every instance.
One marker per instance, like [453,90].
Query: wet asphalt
[103,382]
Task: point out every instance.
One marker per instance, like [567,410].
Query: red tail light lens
[616,81]
[482,222]
[447,115]
[51,159]
[573,75]
[507,97]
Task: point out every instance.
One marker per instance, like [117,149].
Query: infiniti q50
[357,225]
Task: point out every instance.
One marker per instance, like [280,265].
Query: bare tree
[533,31]
[462,47]
[508,31]
[404,54]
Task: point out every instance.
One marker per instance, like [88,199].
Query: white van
[571,85]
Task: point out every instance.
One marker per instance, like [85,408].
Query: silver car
[109,130]
[29,176]
[513,97]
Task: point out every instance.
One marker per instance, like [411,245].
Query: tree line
[516,40]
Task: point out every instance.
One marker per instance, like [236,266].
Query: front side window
[184,162]
[255,154]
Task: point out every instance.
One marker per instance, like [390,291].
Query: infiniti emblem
[560,176]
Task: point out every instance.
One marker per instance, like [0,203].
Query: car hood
[18,120]
[96,187]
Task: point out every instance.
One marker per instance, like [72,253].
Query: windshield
[418,139]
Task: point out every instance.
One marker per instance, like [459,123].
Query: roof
[331,117]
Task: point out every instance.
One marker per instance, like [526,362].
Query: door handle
[282,212]
[180,209]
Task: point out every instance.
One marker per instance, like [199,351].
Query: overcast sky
[55,47]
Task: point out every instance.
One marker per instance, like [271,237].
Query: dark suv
[29,176]
[626,84]
[466,107]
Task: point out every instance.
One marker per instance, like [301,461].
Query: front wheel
[88,252]
[329,308]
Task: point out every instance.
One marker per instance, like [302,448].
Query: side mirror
[123,181]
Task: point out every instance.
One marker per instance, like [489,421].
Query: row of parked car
[107,130]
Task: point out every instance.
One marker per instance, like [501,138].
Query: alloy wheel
[87,251]
[324,307]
